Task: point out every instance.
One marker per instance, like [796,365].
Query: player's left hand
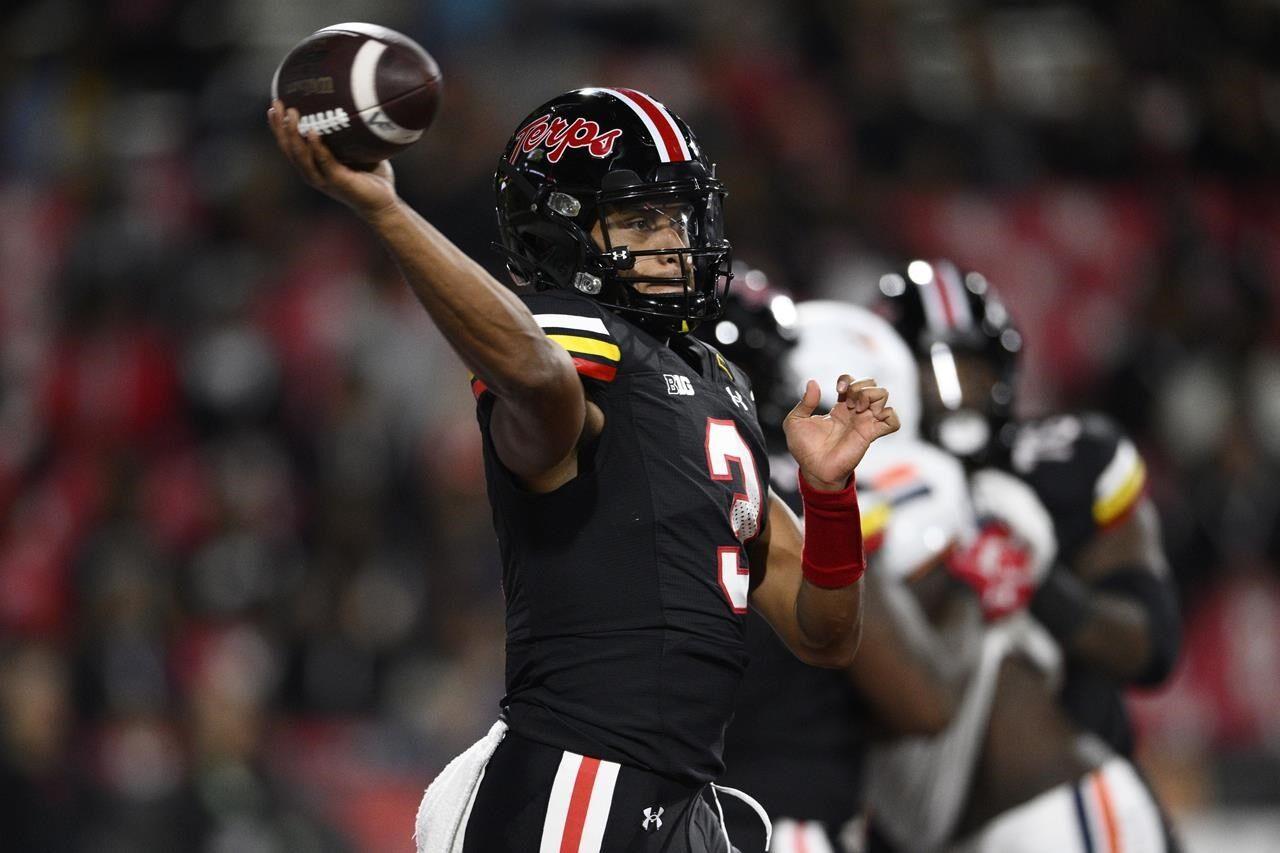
[828,447]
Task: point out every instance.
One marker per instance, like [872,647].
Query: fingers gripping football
[829,446]
[364,191]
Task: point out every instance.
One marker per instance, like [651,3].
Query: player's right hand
[999,567]
[365,192]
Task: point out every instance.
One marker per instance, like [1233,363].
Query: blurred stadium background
[248,585]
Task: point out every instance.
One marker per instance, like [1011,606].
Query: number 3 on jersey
[725,446]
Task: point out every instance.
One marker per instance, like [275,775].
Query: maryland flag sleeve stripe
[588,346]
[572,321]
[584,366]
[594,353]
[1119,486]
[596,370]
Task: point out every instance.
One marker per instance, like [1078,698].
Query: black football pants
[536,798]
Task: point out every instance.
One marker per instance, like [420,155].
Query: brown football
[368,90]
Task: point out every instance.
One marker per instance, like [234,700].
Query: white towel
[446,805]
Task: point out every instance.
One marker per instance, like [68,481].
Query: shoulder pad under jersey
[1087,473]
[927,501]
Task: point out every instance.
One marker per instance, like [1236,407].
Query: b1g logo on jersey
[558,136]
[678,386]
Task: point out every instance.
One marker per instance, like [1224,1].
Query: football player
[628,478]
[800,735]
[1108,599]
[1012,773]
[990,756]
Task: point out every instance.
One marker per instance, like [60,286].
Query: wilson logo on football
[558,136]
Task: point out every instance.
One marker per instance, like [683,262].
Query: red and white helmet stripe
[667,138]
[946,305]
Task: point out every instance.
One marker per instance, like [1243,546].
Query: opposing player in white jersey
[1014,771]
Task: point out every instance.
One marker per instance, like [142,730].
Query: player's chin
[666,286]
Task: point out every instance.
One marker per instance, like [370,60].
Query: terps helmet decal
[559,136]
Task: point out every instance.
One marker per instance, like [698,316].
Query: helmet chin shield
[663,256]
[966,407]
[964,433]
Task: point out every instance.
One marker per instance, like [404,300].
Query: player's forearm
[486,324]
[829,600]
[1129,624]
[1115,637]
[830,622]
[1126,625]
[913,667]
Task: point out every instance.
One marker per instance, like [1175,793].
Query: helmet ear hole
[555,254]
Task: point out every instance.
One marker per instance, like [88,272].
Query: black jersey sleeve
[1088,474]
[580,326]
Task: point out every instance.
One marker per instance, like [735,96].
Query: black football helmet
[967,347]
[756,331]
[593,167]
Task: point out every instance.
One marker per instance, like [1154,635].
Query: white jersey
[1108,811]
[927,500]
[918,785]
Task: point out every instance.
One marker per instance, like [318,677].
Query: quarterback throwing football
[628,478]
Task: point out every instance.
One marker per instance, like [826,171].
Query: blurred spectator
[42,792]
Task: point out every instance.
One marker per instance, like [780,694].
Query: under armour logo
[736,398]
[652,821]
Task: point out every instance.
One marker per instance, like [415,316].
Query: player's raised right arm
[542,409]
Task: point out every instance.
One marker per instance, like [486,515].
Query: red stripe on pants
[578,802]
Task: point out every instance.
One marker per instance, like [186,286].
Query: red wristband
[832,556]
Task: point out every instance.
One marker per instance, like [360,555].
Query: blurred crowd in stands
[249,589]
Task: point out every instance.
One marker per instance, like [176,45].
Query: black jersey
[626,587]
[1089,476]
[798,739]
[799,736]
[1084,470]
